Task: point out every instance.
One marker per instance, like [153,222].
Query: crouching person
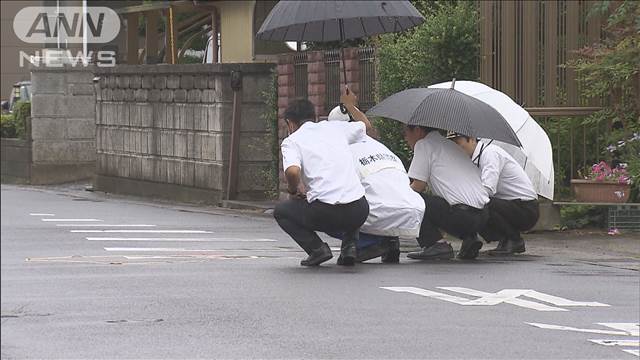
[513,205]
[394,208]
[314,154]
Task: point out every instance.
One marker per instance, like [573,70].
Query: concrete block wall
[164,130]
[62,124]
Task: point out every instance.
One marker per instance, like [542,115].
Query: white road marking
[154,249]
[560,301]
[617,342]
[41,214]
[569,328]
[631,328]
[508,296]
[183,249]
[144,231]
[177,239]
[428,293]
[622,329]
[632,352]
[70,220]
[105,225]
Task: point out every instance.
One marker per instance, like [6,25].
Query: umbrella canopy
[446,109]
[535,156]
[336,20]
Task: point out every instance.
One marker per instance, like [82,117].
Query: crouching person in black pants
[513,205]
[318,156]
[457,205]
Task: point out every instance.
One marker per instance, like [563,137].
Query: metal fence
[367,94]
[300,75]
[524,46]
[332,78]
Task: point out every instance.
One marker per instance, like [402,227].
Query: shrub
[13,125]
[610,70]
[445,46]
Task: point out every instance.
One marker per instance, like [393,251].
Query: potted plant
[603,184]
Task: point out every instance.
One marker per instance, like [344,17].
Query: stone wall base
[43,174]
[127,186]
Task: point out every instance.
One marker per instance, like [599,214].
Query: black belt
[465,207]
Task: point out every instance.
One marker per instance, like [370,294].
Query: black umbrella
[446,109]
[327,20]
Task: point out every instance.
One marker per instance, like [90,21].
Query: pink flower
[600,177]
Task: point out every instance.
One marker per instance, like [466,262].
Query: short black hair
[300,111]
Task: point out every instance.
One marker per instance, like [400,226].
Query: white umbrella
[535,156]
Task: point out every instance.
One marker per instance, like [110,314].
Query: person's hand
[348,98]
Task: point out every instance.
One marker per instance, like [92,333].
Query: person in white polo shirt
[457,200]
[394,208]
[317,156]
[513,207]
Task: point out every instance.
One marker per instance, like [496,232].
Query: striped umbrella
[446,109]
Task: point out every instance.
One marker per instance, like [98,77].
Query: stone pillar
[316,81]
[286,91]
[62,124]
[352,64]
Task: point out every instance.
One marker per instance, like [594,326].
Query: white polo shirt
[322,151]
[502,176]
[394,208]
[448,172]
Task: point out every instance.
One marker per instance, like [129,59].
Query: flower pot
[600,191]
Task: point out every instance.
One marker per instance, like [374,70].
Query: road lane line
[632,352]
[41,214]
[569,328]
[177,239]
[617,342]
[631,328]
[70,220]
[127,249]
[105,225]
[155,249]
[144,231]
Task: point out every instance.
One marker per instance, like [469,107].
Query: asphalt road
[78,281]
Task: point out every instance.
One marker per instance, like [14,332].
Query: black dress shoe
[508,247]
[318,256]
[470,248]
[372,252]
[437,251]
[392,256]
[348,255]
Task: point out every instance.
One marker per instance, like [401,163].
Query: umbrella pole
[344,67]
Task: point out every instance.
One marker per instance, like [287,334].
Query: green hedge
[445,46]
[13,125]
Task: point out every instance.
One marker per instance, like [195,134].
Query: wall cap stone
[195,69]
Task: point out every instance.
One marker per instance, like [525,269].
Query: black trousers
[301,220]
[457,220]
[507,218]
